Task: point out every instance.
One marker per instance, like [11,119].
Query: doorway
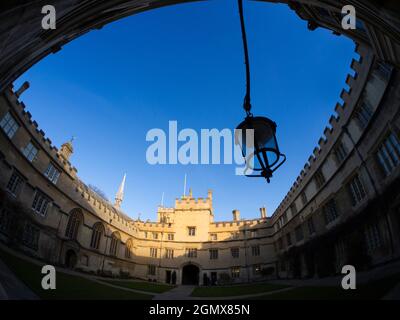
[70,259]
[213,278]
[190,275]
[168,276]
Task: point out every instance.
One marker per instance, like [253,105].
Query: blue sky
[185,63]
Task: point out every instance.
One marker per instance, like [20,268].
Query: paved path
[243,297]
[11,288]
[178,293]
[184,292]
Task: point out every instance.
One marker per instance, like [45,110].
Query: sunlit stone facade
[70,224]
[343,207]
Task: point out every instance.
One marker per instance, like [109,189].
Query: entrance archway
[71,259]
[190,275]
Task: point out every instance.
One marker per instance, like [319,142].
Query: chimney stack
[263,212]
[22,89]
[236,215]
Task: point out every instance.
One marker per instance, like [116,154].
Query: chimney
[263,212]
[24,87]
[236,215]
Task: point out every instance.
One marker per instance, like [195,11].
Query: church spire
[120,194]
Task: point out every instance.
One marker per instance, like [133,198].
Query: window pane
[9,125]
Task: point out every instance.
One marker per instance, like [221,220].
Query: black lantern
[256,135]
[257,140]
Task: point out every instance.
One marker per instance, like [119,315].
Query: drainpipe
[62,241]
[160,257]
[245,252]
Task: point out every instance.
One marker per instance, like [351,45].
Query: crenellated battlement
[191,203]
[162,209]
[239,223]
[343,111]
[39,135]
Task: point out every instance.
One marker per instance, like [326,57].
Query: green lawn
[236,290]
[68,286]
[141,285]
[371,291]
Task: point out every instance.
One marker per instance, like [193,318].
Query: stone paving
[184,292]
[177,293]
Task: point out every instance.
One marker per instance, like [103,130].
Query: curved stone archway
[190,274]
[71,259]
[23,42]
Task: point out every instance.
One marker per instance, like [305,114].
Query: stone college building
[343,208]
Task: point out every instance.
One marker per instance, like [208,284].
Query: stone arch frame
[128,248]
[71,258]
[98,231]
[193,264]
[198,265]
[114,243]
[75,220]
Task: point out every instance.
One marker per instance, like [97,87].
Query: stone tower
[66,150]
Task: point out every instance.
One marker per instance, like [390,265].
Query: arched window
[75,219]
[115,239]
[128,249]
[97,233]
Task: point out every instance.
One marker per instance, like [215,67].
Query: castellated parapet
[191,203]
[343,112]
[186,231]
[37,134]
[84,196]
[187,207]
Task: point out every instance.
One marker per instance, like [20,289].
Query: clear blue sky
[185,63]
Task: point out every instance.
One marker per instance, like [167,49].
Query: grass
[67,286]
[141,285]
[236,290]
[373,290]
[76,287]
